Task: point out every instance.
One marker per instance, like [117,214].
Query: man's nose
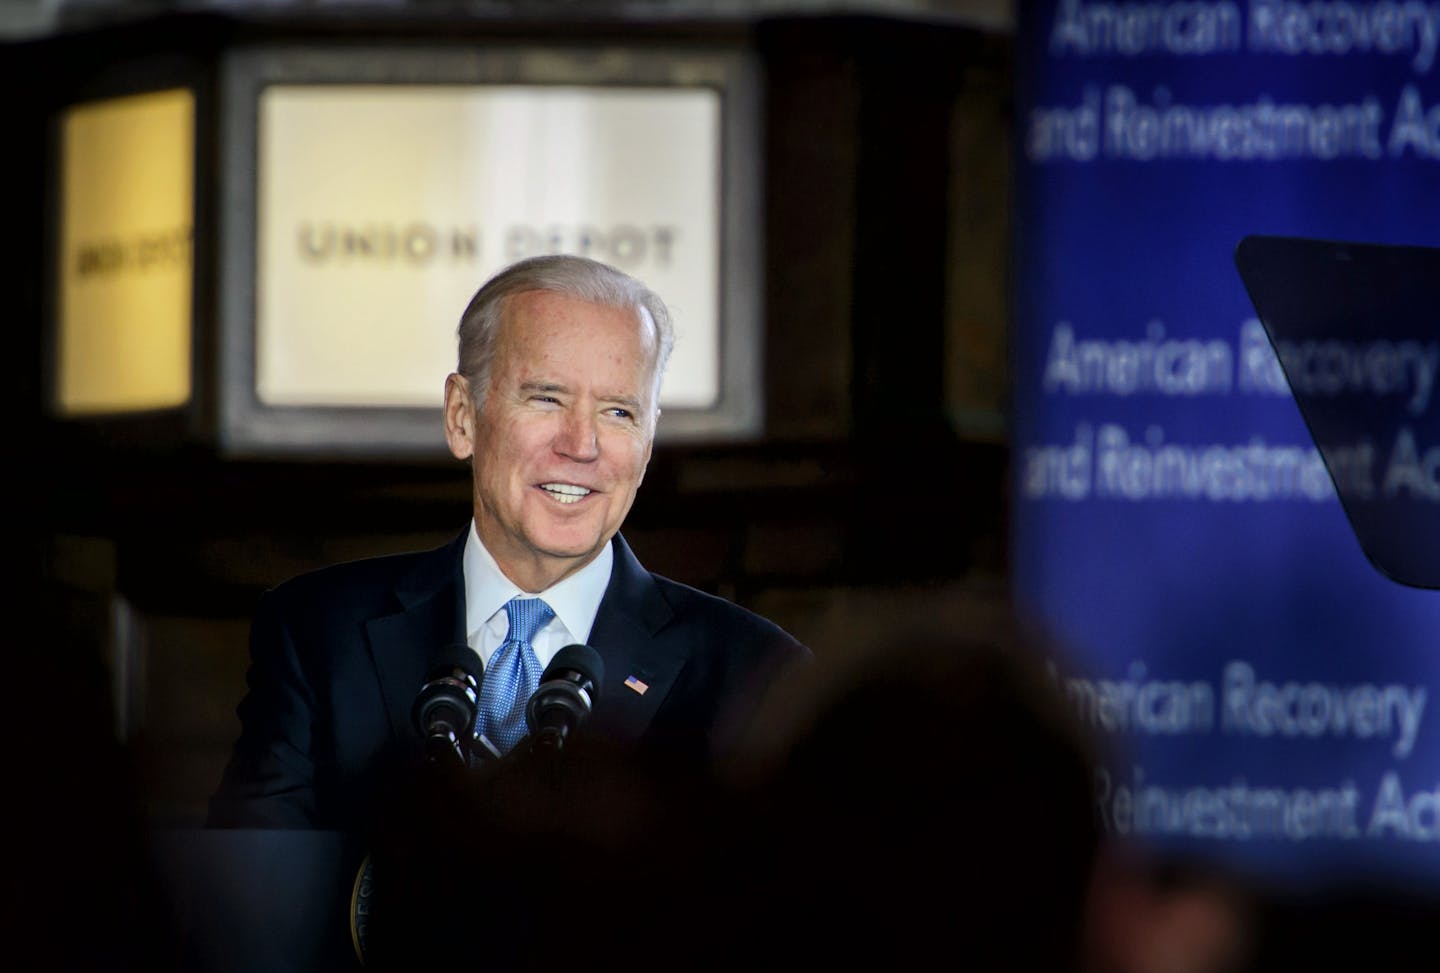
[578,437]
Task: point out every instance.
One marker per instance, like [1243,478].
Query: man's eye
[620,413]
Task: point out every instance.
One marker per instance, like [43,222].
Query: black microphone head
[567,692]
[448,697]
[582,661]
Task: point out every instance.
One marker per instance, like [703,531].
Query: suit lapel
[629,633]
[641,664]
[432,616]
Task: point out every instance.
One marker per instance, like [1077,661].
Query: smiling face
[561,444]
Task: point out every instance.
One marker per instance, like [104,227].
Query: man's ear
[459,417]
[649,449]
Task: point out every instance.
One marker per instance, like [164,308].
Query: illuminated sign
[380,209]
[123,342]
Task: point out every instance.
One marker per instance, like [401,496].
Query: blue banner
[1271,701]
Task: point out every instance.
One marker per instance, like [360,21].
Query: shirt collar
[575,600]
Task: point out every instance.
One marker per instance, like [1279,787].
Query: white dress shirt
[575,600]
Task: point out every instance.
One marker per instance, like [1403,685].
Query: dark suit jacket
[338,656]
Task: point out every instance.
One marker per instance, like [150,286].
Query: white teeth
[565,492]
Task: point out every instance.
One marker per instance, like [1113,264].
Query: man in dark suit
[554,405]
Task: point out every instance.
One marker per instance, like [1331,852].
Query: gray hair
[579,277]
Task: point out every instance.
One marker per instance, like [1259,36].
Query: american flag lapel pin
[636,685]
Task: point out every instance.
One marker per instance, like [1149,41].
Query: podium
[257,901]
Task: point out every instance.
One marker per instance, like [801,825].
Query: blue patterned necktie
[512,675]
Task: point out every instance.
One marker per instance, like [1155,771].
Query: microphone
[444,711]
[444,716]
[567,692]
